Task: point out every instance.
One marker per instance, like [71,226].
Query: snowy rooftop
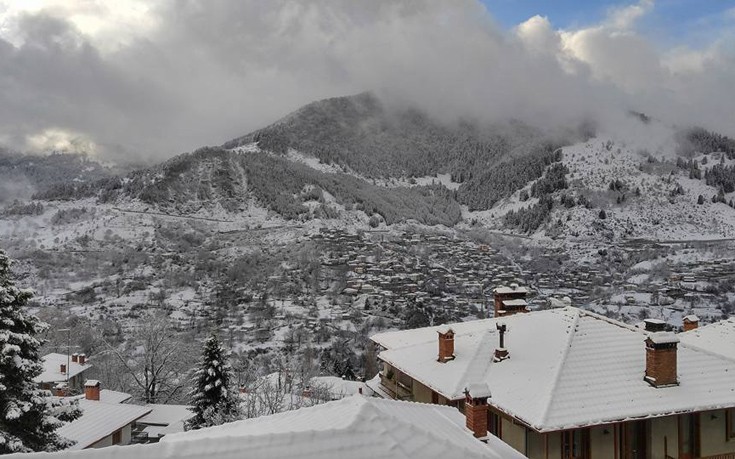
[341,388]
[512,289]
[718,338]
[567,368]
[355,427]
[164,415]
[99,420]
[52,368]
[113,396]
[516,302]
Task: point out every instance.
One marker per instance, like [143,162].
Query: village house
[106,419]
[566,383]
[63,373]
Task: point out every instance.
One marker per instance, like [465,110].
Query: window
[117,437]
[494,423]
[730,423]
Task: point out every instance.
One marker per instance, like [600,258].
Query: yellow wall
[602,445]
[664,428]
[554,441]
[535,443]
[514,435]
[712,433]
[421,393]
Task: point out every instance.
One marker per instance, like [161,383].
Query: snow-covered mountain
[353,161]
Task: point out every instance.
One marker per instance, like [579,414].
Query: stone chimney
[446,344]
[62,368]
[475,408]
[82,359]
[655,325]
[661,348]
[92,389]
[501,352]
[75,357]
[691,322]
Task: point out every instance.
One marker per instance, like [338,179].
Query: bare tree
[157,360]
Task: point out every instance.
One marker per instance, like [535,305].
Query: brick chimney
[691,322]
[446,344]
[475,408]
[82,359]
[75,357]
[92,389]
[661,359]
[62,368]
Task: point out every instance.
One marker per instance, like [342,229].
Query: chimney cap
[663,338]
[444,329]
[92,383]
[691,318]
[478,390]
[654,325]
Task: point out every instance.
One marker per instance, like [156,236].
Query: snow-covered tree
[213,398]
[29,416]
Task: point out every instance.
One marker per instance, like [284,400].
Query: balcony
[395,388]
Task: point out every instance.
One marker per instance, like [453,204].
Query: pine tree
[29,416]
[214,402]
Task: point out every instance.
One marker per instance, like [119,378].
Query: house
[510,300]
[105,421]
[63,369]
[355,427]
[160,421]
[567,383]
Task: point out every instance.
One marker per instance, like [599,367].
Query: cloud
[136,79]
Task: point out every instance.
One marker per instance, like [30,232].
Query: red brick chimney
[475,408]
[75,357]
[92,389]
[661,359]
[82,359]
[446,344]
[62,368]
[691,322]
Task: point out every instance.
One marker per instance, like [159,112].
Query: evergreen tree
[29,416]
[214,402]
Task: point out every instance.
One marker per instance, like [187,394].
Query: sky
[132,80]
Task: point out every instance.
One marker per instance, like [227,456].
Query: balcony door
[633,441]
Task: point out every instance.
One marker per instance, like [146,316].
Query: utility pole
[68,352]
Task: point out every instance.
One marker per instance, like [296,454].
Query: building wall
[514,435]
[602,445]
[127,434]
[664,437]
[554,445]
[535,445]
[712,434]
[421,393]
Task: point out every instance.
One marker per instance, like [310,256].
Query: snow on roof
[503,290]
[691,318]
[567,368]
[341,388]
[357,427]
[164,415]
[113,396]
[516,302]
[99,420]
[717,338]
[52,368]
[91,383]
